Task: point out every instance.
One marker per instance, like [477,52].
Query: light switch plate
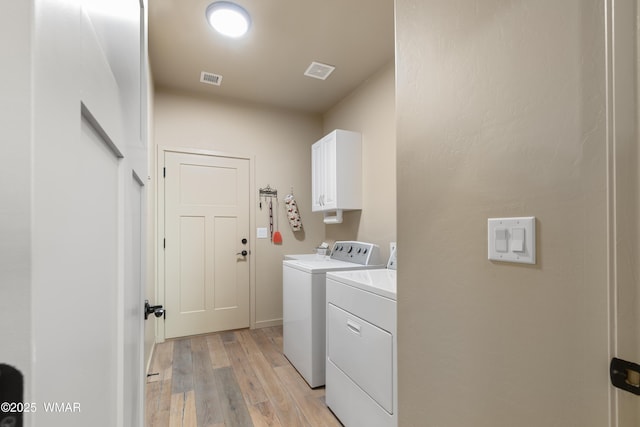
[261,233]
[516,250]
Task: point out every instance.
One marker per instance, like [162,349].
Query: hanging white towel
[292,213]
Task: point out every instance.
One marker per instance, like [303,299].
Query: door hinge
[625,375]
[164,243]
[164,172]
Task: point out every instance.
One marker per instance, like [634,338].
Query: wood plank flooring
[231,379]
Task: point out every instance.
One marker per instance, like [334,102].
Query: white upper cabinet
[337,174]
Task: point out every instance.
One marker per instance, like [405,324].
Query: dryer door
[364,352]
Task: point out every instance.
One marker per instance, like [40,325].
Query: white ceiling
[267,65]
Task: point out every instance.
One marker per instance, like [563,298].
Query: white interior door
[206,219]
[71,158]
[79,259]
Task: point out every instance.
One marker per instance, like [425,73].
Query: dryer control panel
[357,252]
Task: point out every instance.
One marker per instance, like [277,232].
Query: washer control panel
[357,252]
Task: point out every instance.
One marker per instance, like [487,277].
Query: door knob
[156,310]
[243,253]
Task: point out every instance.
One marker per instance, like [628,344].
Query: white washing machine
[307,257]
[362,369]
[304,303]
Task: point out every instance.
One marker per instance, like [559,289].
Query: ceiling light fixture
[228,18]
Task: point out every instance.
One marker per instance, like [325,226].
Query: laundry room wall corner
[280,142]
[370,110]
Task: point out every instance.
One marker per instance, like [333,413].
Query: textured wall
[502,111]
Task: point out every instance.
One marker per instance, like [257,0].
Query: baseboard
[267,323]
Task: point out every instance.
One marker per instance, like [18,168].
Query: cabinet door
[329,149]
[318,175]
[336,172]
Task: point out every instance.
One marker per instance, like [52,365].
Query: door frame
[160,226]
[622,191]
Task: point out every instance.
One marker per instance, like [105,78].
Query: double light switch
[512,239]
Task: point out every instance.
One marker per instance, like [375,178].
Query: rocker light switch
[512,239]
[517,239]
[501,239]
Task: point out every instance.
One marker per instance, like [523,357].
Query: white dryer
[362,369]
[304,303]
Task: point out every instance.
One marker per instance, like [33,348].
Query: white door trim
[160,219]
[621,142]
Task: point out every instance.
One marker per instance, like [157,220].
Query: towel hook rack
[268,192]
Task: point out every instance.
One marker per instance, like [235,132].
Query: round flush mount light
[228,18]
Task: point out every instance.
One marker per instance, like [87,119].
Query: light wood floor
[232,379]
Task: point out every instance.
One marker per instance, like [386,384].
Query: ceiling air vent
[318,70]
[210,78]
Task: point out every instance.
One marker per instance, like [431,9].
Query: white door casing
[206,216]
[623,192]
[133,372]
